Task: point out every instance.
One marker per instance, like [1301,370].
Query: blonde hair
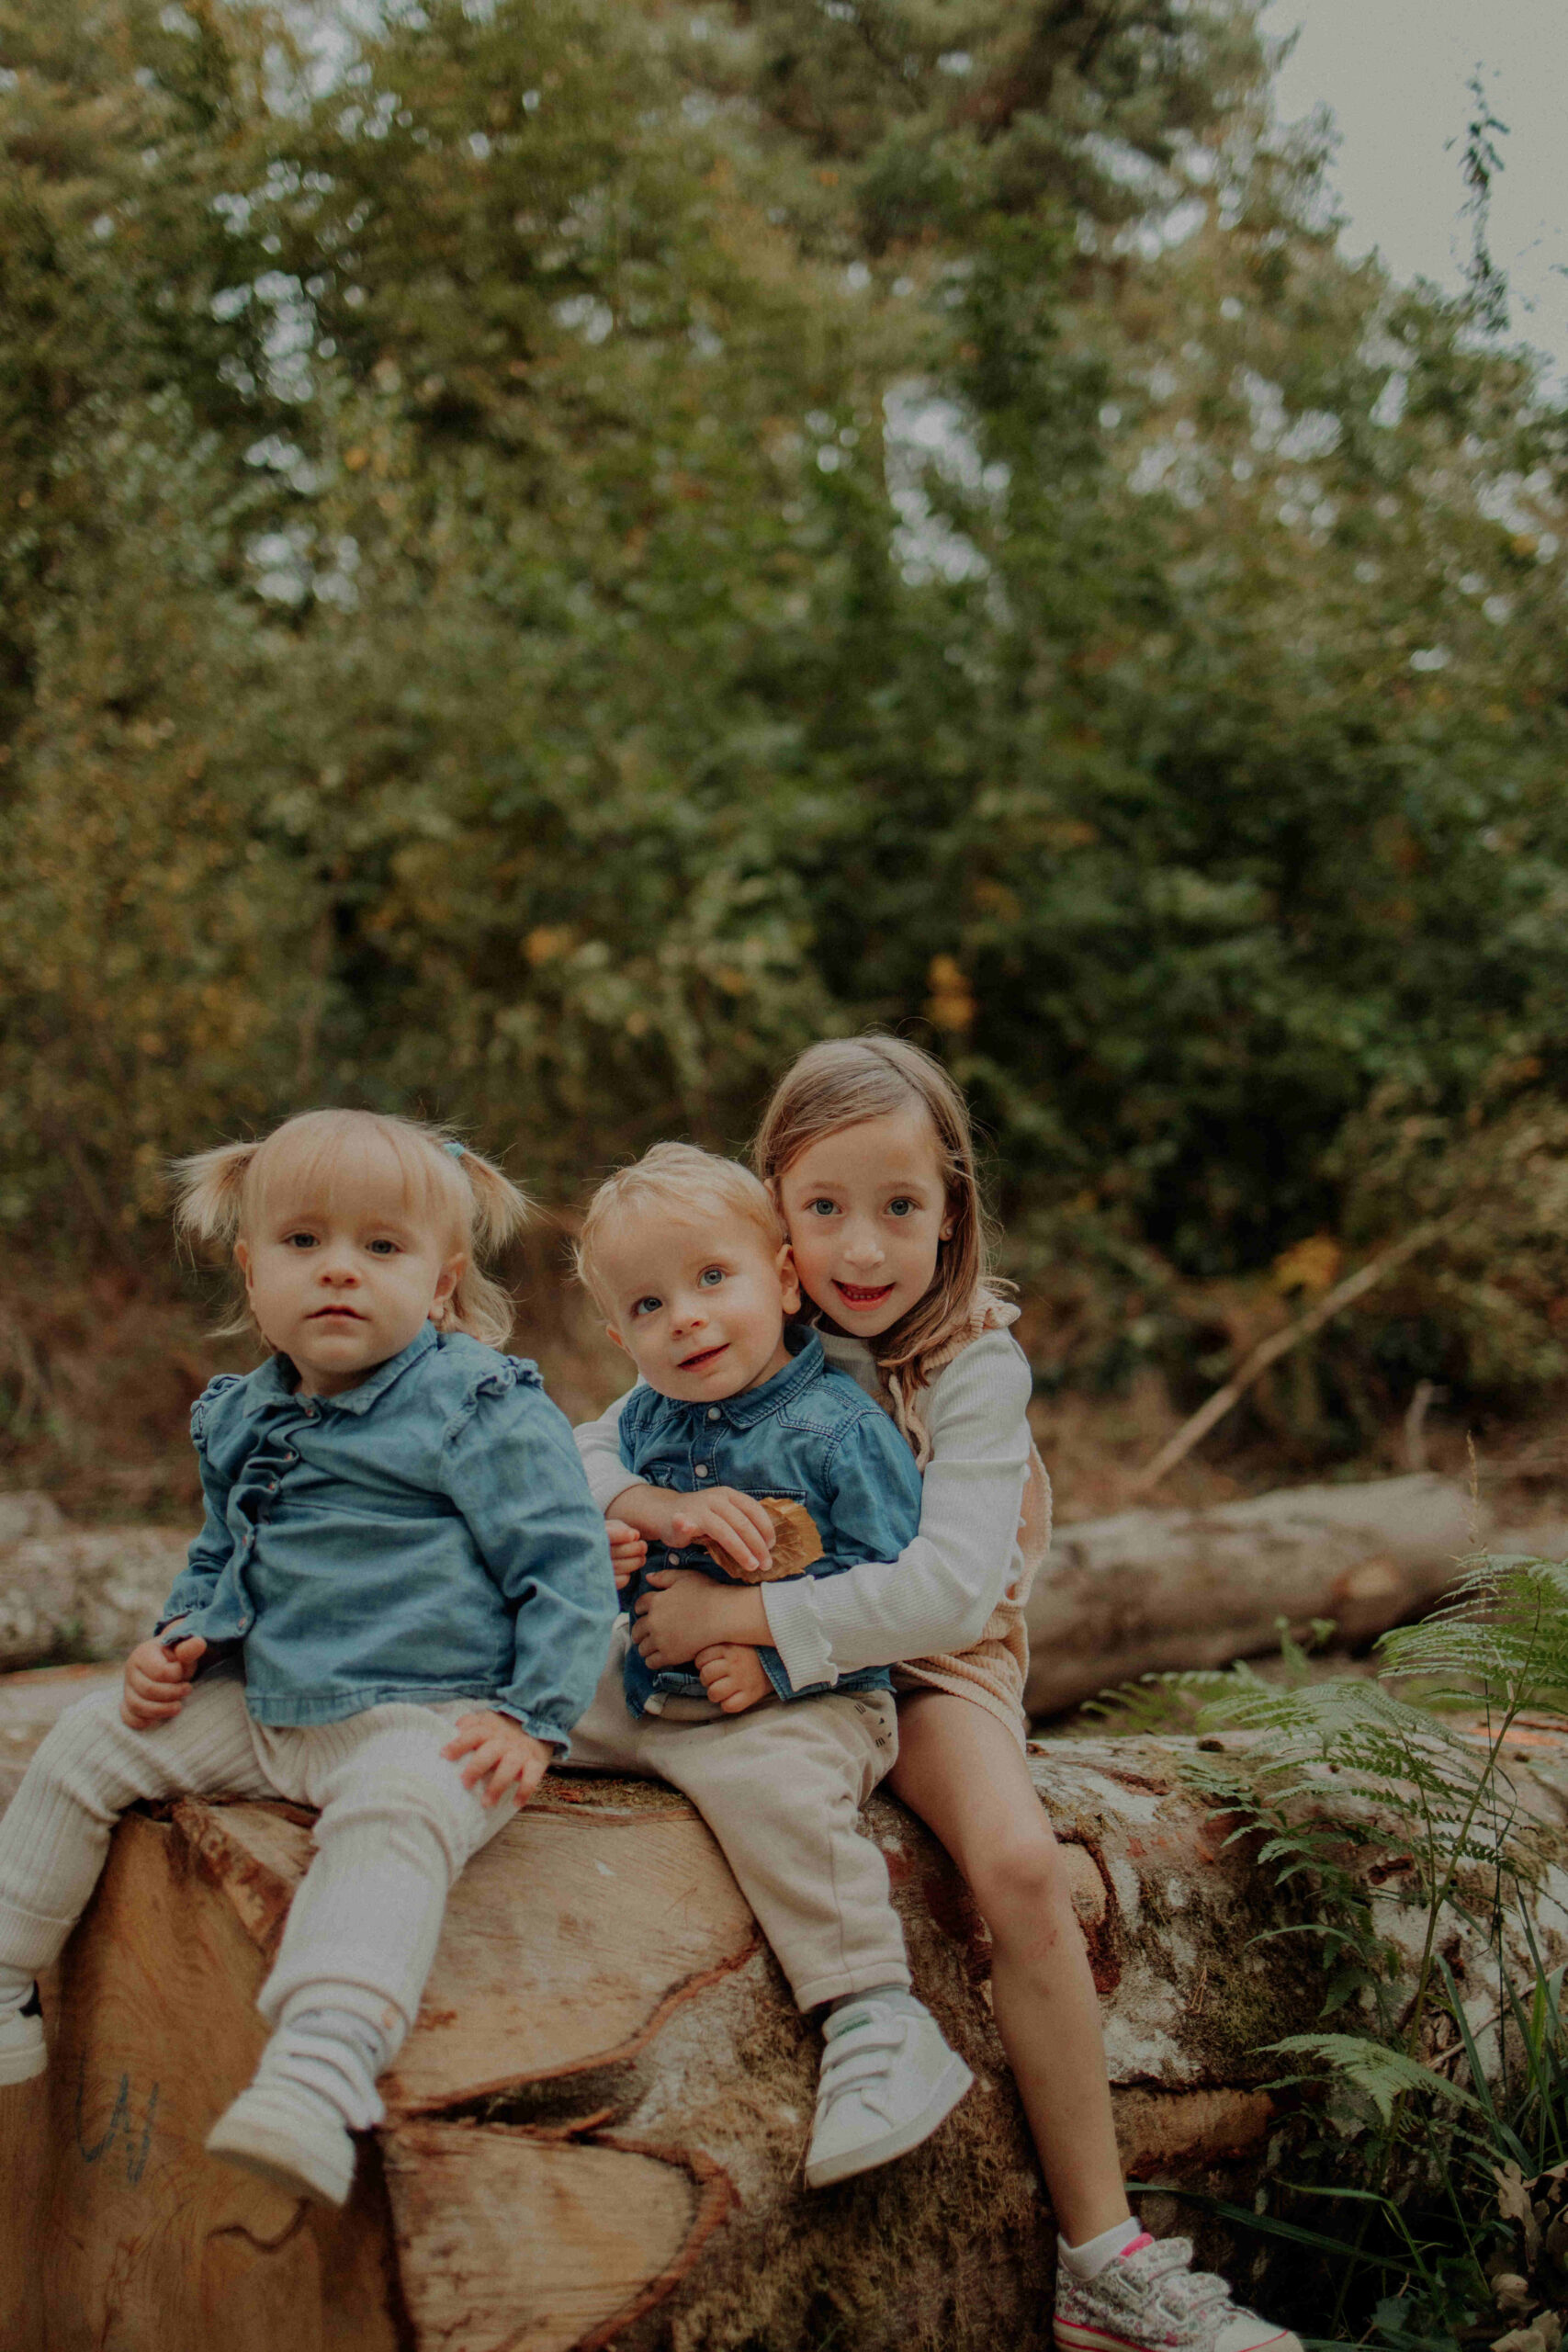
[674,1176]
[221,1196]
[844,1082]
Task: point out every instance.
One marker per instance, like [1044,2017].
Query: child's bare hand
[682,1611]
[628,1550]
[157,1680]
[733,1676]
[737,1523]
[501,1755]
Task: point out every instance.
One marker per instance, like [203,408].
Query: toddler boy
[685,1254]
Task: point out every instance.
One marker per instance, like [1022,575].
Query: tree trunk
[594,2134]
[88,1593]
[1117,1597]
[1150,1590]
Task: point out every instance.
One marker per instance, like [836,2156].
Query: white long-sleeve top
[941,1592]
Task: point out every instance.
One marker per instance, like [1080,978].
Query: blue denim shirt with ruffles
[427,1535]
[809,1435]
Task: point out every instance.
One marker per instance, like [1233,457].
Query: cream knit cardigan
[948,1613]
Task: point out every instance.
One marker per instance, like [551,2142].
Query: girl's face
[866,1210]
[341,1277]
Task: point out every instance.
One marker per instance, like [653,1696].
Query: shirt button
[272,1485]
[713,1412]
[702,1469]
[671,1559]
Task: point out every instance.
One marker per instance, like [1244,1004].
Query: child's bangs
[340,1160]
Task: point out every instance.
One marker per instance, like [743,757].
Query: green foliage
[551,554]
[1409,2172]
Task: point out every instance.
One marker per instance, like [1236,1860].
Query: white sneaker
[288,2137]
[888,2079]
[1151,2300]
[23,2052]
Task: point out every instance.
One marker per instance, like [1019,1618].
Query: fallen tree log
[1117,1598]
[86,1592]
[1147,1591]
[593,2136]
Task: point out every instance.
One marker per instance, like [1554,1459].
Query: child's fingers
[167,1697]
[470,1733]
[188,1654]
[142,1714]
[480,1764]
[715,1524]
[751,1544]
[751,1509]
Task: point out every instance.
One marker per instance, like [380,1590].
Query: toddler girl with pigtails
[396,1610]
[866,1148]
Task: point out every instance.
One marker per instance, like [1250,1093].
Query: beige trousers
[780,1787]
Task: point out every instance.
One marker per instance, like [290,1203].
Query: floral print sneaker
[1151,2300]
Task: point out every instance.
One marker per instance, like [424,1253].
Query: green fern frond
[1385,2075]
[1501,1637]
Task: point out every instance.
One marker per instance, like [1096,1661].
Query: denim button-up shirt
[811,1435]
[427,1535]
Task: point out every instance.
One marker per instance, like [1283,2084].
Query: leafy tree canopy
[552,552]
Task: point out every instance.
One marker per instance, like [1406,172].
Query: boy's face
[699,1304]
[340,1282]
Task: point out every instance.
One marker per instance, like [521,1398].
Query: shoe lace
[858,2058]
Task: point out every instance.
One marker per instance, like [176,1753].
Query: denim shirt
[427,1535]
[811,1435]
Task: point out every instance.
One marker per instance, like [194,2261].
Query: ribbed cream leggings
[396,1826]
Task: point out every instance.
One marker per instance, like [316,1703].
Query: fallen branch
[1279,1343]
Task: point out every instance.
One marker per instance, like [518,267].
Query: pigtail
[478,1304]
[500,1208]
[209,1192]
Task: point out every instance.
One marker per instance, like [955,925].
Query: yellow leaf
[951,1004]
[549,940]
[1311,1265]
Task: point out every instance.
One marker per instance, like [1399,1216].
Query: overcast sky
[1394,75]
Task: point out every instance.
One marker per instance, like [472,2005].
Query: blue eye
[648,1306]
[299,1240]
[384,1248]
[902,1206]
[823,1208]
[710,1277]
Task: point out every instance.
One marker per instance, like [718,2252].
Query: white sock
[1087,2261]
[892,1997]
[334,2057]
[16,1984]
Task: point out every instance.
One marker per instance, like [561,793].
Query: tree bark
[1149,1590]
[594,2134]
[90,1592]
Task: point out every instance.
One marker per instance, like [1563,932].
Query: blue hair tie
[456,1150]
